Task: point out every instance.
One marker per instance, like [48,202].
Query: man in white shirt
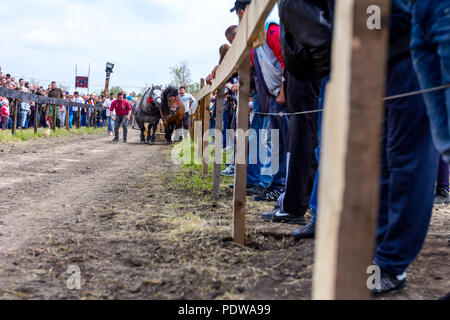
[109,116]
[190,106]
[78,99]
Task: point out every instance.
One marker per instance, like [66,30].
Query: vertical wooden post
[15,103]
[79,118]
[67,119]
[88,116]
[207,103]
[95,118]
[35,120]
[201,112]
[218,142]
[240,178]
[106,87]
[349,182]
[54,118]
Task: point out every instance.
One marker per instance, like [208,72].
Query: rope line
[446,86]
[398,96]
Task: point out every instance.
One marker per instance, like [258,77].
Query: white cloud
[73,17]
[45,37]
[144,38]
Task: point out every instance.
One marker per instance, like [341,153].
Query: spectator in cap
[239,7]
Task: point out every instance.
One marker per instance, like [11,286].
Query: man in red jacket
[123,114]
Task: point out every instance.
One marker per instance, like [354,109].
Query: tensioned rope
[398,96]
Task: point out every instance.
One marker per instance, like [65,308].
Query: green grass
[191,177]
[27,135]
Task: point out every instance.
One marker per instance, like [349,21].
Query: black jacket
[306,37]
[400,30]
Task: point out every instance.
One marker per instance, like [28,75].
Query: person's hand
[209,79]
[281,99]
[213,73]
[128,118]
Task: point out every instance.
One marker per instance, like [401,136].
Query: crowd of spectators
[76,118]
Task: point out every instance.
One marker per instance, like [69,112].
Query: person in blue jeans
[256,182]
[408,166]
[430,48]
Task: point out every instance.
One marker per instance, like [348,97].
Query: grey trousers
[121,121]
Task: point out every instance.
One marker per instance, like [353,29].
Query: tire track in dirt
[49,183]
[43,182]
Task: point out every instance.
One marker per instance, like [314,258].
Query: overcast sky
[45,39]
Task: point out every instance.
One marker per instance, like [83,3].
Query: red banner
[81,82]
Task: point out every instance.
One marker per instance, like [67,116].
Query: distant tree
[64,87]
[34,81]
[116,90]
[181,75]
[143,90]
[193,88]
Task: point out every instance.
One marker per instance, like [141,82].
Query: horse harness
[172,113]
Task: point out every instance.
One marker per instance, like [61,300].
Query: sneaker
[307,232]
[254,190]
[116,140]
[277,216]
[249,186]
[228,172]
[390,283]
[268,215]
[269,195]
[442,196]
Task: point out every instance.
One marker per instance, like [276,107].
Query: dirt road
[123,215]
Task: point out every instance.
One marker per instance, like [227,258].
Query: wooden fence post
[88,117]
[15,103]
[201,114]
[205,155]
[54,118]
[79,118]
[240,179]
[35,120]
[218,141]
[67,119]
[349,182]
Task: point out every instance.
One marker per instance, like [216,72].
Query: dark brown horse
[172,112]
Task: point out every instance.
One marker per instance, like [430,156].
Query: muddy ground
[139,227]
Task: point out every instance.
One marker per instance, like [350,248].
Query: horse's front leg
[142,127]
[149,133]
[155,128]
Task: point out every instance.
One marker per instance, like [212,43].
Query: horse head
[154,97]
[171,103]
[157,96]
